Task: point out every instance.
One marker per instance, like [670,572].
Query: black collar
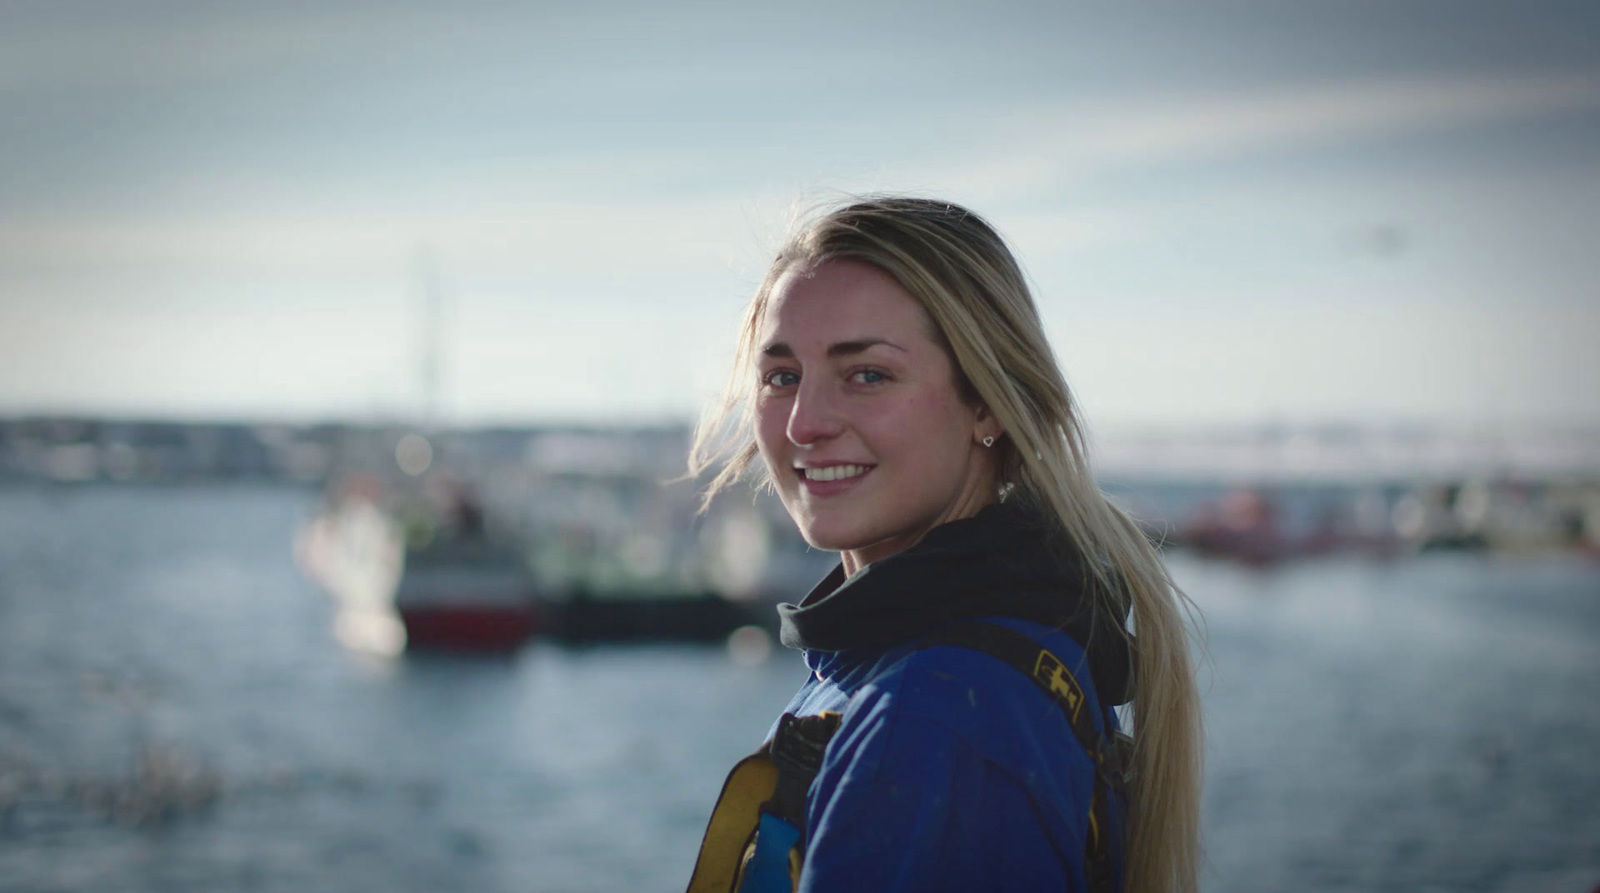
[1006,561]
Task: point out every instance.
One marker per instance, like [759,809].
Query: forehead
[841,300]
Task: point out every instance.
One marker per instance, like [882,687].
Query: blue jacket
[950,770]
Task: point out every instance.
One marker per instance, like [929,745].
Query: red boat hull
[468,627]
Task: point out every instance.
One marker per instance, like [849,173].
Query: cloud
[1359,359]
[200,45]
[568,236]
[1050,145]
[1327,114]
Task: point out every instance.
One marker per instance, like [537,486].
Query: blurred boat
[479,544]
[652,573]
[421,577]
[463,585]
[1501,515]
[466,592]
[353,550]
[1244,526]
[1260,527]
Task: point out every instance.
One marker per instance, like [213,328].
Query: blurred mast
[430,338]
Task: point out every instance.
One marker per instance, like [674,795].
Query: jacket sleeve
[906,802]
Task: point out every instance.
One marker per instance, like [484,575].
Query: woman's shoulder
[977,697]
[961,667]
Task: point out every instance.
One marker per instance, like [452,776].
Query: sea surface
[176,715]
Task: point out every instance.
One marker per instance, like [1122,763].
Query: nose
[814,415]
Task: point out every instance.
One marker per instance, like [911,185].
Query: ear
[986,425]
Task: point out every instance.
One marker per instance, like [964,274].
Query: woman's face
[858,416]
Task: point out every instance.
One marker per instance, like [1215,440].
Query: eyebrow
[837,349]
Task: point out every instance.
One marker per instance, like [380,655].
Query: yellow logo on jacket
[1059,682]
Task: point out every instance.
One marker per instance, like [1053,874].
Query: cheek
[928,418]
[770,427]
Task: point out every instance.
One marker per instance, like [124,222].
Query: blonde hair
[971,286]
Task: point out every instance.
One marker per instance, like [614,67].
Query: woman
[894,378]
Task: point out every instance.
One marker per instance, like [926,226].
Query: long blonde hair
[969,283]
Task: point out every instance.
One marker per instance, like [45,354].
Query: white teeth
[833,472]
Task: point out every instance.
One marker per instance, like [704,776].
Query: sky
[1231,212]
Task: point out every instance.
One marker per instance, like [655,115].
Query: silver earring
[988,441]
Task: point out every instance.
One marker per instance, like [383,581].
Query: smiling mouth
[833,472]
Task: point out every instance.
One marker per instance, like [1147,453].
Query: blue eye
[780,379]
[868,376]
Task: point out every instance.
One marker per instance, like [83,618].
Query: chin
[837,537]
[828,537]
[824,542]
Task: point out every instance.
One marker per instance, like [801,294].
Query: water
[175,715]
[1431,724]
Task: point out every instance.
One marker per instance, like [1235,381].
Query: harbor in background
[178,715]
[481,540]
